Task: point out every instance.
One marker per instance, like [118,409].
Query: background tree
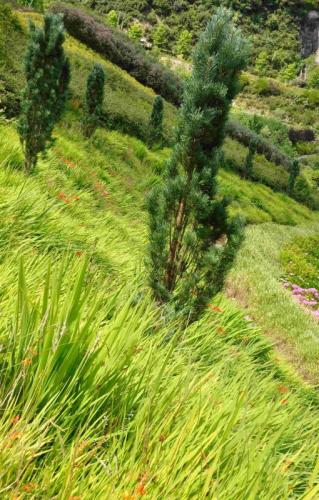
[156,121]
[94,99]
[135,31]
[184,44]
[255,124]
[294,171]
[112,18]
[161,36]
[192,240]
[48,74]
[249,162]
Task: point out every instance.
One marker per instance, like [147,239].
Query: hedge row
[244,135]
[120,50]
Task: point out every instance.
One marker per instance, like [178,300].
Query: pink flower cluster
[307,297]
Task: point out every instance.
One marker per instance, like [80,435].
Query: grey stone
[310,34]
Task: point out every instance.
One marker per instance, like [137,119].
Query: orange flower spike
[14,435]
[140,489]
[26,362]
[15,419]
[283,401]
[29,487]
[283,389]
[215,308]
[220,330]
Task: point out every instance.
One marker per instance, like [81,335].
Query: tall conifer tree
[48,74]
[294,171]
[192,240]
[156,121]
[94,99]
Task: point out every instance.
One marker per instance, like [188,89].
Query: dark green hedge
[120,50]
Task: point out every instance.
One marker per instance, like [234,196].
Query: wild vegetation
[272,25]
[105,392]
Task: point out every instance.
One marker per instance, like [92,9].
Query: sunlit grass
[256,283]
[103,396]
[102,400]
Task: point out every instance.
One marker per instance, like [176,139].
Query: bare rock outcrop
[310,34]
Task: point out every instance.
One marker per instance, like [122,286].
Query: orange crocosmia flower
[14,435]
[15,420]
[69,163]
[29,487]
[79,253]
[140,489]
[26,361]
[215,308]
[282,389]
[283,401]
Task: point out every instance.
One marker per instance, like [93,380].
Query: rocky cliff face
[310,34]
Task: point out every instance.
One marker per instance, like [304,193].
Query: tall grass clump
[96,404]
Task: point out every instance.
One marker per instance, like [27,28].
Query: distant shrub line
[122,52]
[245,136]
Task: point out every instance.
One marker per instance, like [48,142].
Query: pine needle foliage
[47,72]
[156,121]
[94,99]
[192,240]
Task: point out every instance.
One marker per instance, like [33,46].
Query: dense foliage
[192,240]
[272,24]
[47,75]
[121,51]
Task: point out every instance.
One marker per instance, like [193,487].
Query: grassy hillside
[128,106]
[256,282]
[90,371]
[104,394]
